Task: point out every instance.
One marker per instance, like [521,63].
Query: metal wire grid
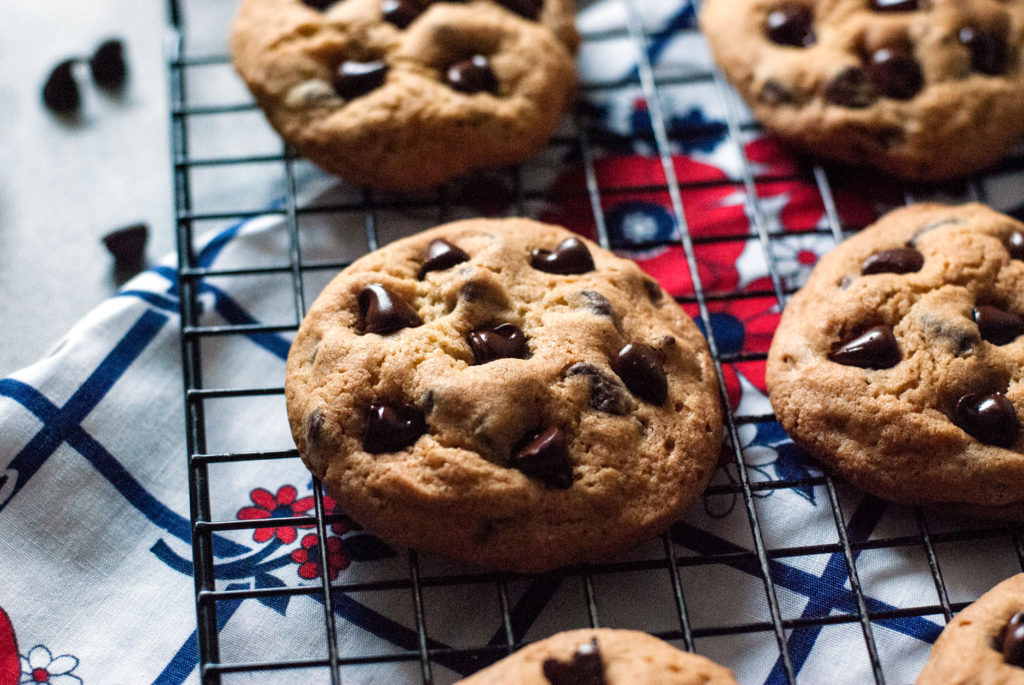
[209,599]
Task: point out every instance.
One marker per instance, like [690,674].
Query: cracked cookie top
[924,89]
[899,363]
[506,393]
[405,94]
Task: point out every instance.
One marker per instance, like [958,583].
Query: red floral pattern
[308,557]
[269,506]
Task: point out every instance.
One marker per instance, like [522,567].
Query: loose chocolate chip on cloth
[406,94]
[457,395]
[984,643]
[923,89]
[602,656]
[908,380]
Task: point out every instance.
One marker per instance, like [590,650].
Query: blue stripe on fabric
[154,299]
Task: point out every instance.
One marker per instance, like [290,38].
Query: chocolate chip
[107,65]
[773,92]
[894,5]
[597,303]
[400,12]
[1013,641]
[989,53]
[353,79]
[524,8]
[791,24]
[128,245]
[654,292]
[900,260]
[441,255]
[1015,245]
[60,93]
[896,73]
[640,368]
[545,456]
[473,75]
[875,348]
[390,428]
[583,668]
[319,4]
[606,393]
[501,342]
[997,326]
[383,312]
[314,424]
[851,88]
[570,257]
[989,418]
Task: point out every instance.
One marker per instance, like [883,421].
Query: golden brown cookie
[405,94]
[924,89]
[602,657]
[984,643]
[506,393]
[900,362]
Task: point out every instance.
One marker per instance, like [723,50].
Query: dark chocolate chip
[597,303]
[441,255]
[989,54]
[319,4]
[606,393]
[583,668]
[383,312]
[997,326]
[640,368]
[896,73]
[353,79]
[900,260]
[570,257]
[314,424]
[400,12]
[128,245]
[653,290]
[107,65]
[894,5]
[851,88]
[501,342]
[989,418]
[524,8]
[473,75]
[60,93]
[390,428]
[773,92]
[875,348]
[545,456]
[1013,641]
[791,23]
[1015,245]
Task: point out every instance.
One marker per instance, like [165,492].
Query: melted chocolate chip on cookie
[989,418]
[545,456]
[1015,245]
[896,73]
[383,312]
[875,348]
[501,342]
[1013,641]
[584,667]
[319,4]
[391,427]
[353,79]
[851,88]
[401,13]
[524,8]
[473,75]
[441,255]
[640,368]
[997,326]
[894,5]
[989,54]
[606,394]
[901,260]
[792,24]
[571,256]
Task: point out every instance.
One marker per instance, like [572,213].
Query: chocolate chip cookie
[405,94]
[602,657]
[505,393]
[924,89]
[900,362]
[984,644]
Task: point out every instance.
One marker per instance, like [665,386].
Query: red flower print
[269,506]
[338,527]
[308,557]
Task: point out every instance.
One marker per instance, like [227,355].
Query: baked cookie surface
[505,393]
[923,89]
[405,94]
[602,657]
[984,643]
[899,363]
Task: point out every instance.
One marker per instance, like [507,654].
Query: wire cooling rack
[200,165]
